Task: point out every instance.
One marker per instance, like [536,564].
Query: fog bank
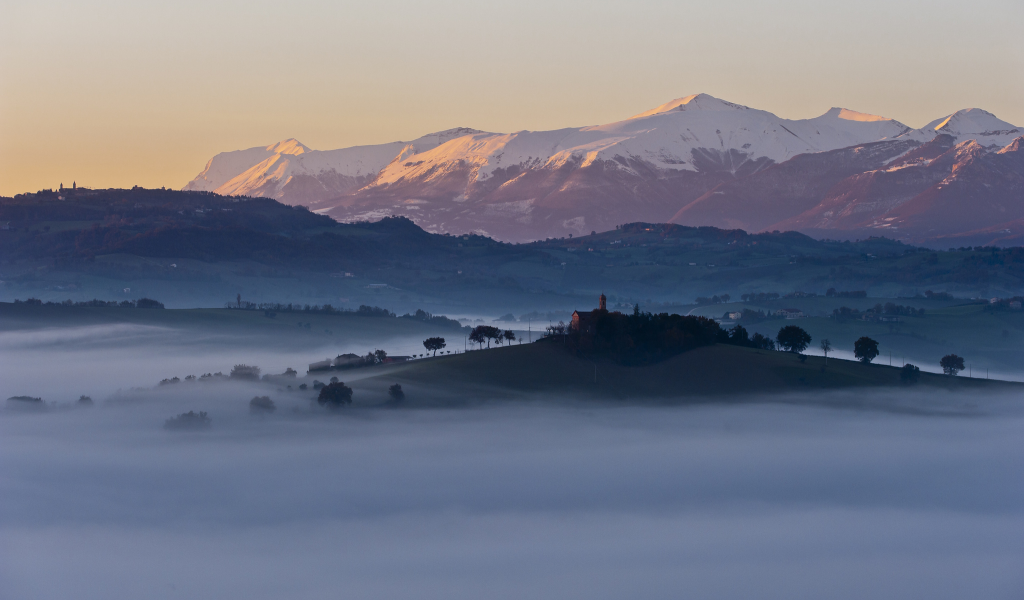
[540,500]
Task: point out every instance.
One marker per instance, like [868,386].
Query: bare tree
[826,347]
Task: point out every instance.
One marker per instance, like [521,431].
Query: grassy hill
[710,372]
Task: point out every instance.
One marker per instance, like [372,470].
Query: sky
[113,93]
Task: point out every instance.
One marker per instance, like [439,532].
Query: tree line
[140,303]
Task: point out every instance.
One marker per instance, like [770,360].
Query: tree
[396,392]
[477,336]
[762,342]
[738,335]
[509,336]
[865,349]
[485,332]
[909,374]
[826,347]
[380,356]
[335,395]
[951,364]
[189,420]
[793,339]
[561,327]
[434,344]
[245,372]
[261,405]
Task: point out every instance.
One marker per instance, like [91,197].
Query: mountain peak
[694,102]
[288,146]
[970,120]
[846,114]
[1015,146]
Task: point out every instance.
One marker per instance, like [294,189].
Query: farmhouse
[790,313]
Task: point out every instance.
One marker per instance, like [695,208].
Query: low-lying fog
[59,364]
[539,499]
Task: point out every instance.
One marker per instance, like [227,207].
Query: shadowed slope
[713,371]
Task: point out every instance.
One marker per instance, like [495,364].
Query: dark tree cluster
[140,303]
[335,395]
[245,372]
[951,364]
[738,336]
[261,405]
[188,421]
[486,334]
[643,337]
[270,309]
[793,339]
[891,308]
[832,293]
[717,299]
[760,297]
[910,374]
[865,349]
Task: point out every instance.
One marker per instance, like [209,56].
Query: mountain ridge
[529,185]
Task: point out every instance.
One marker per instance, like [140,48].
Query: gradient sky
[118,93]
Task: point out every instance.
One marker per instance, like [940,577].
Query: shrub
[396,392]
[909,374]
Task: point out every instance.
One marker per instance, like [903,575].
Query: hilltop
[716,371]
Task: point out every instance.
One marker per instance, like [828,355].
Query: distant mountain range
[697,160]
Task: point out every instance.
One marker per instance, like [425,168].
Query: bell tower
[602,303]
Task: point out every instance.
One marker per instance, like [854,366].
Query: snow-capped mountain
[292,172]
[697,160]
[970,124]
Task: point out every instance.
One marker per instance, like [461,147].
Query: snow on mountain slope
[970,124]
[692,134]
[697,160]
[288,170]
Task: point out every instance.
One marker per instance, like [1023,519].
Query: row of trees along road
[794,339]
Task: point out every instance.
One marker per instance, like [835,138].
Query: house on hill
[583,322]
[790,313]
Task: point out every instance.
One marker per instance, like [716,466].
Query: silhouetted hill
[199,248]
